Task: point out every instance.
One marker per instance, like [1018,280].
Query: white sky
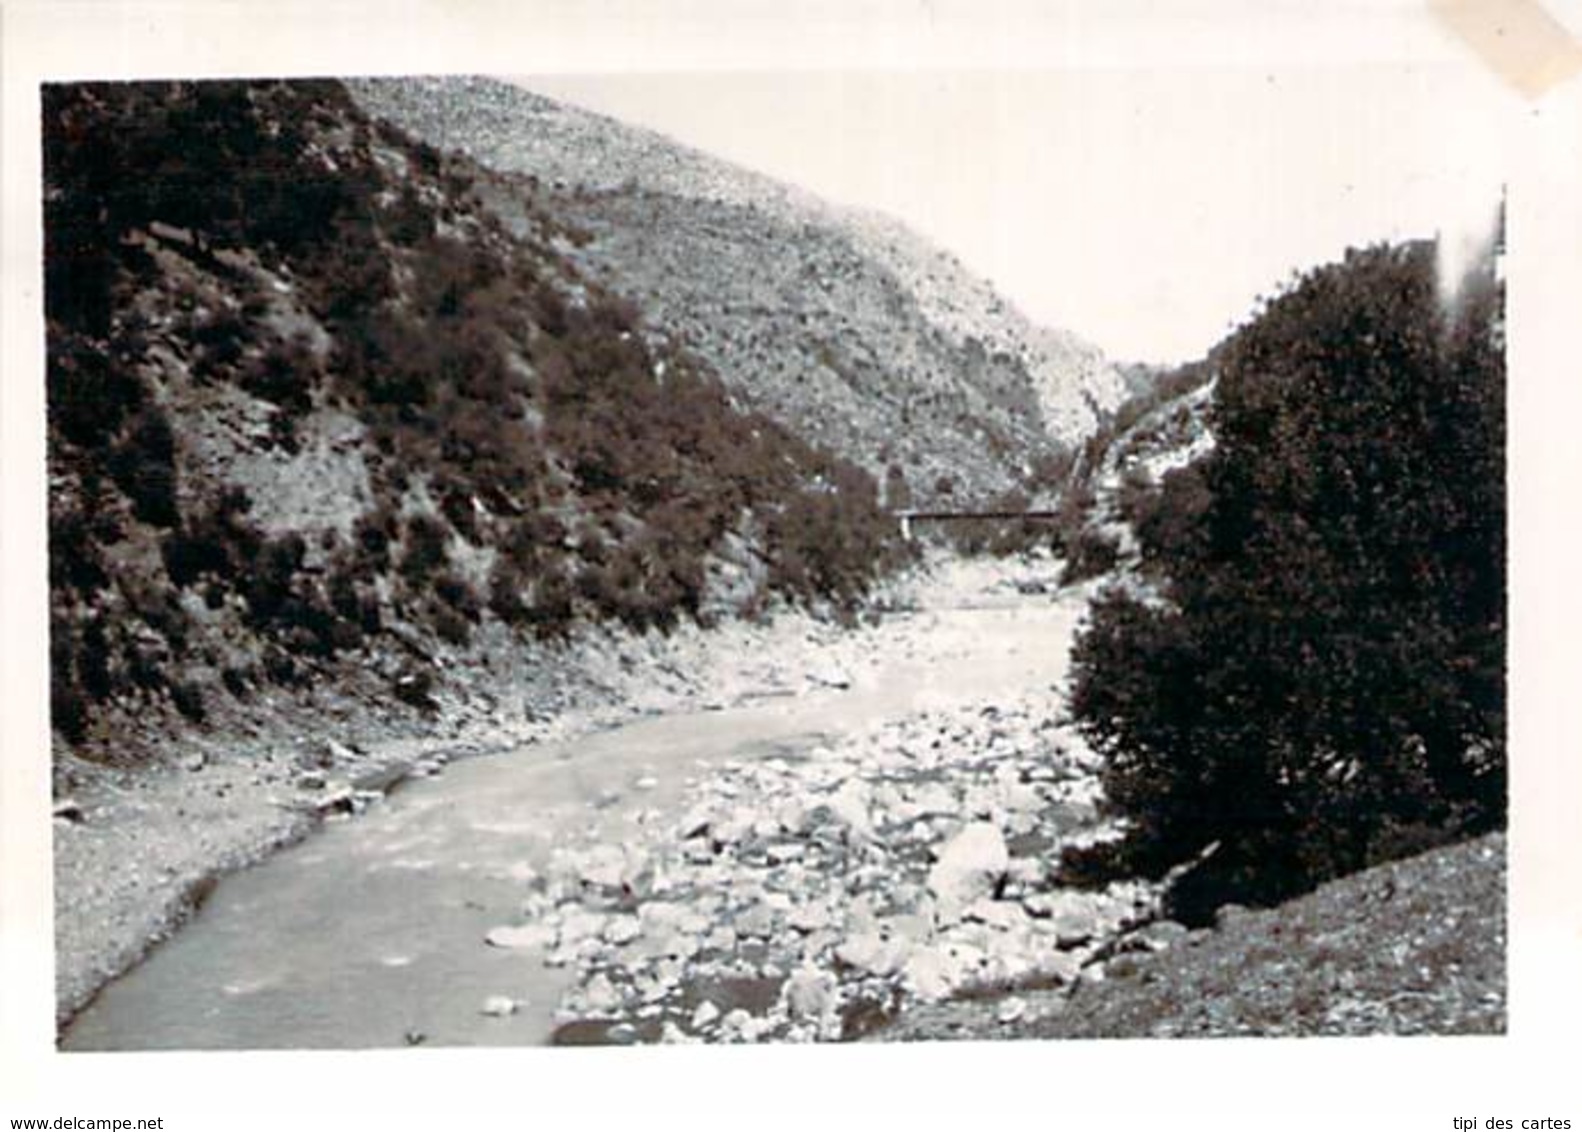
[1144,209]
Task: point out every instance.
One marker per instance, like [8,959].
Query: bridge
[909,517]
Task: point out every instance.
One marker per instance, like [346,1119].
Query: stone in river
[971,866]
[850,805]
[928,976]
[706,1013]
[674,943]
[578,924]
[757,921]
[809,993]
[498,1006]
[622,929]
[785,852]
[525,935]
[600,994]
[1010,1010]
[871,955]
[809,918]
[1073,918]
[996,913]
[604,866]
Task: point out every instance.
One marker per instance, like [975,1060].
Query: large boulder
[971,866]
[522,936]
[810,993]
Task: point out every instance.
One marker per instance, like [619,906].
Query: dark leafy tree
[1323,681]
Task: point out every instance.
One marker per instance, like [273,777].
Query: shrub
[506,586]
[425,548]
[75,561]
[221,338]
[284,374]
[189,701]
[1168,521]
[270,586]
[452,627]
[69,710]
[90,396]
[415,686]
[1089,554]
[236,681]
[143,465]
[457,593]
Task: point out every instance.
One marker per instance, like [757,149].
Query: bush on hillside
[143,465]
[1326,667]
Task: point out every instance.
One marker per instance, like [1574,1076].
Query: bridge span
[910,517]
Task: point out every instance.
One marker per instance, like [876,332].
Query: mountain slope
[844,325]
[316,415]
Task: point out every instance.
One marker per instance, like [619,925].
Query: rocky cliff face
[844,325]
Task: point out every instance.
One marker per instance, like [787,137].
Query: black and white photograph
[957,554]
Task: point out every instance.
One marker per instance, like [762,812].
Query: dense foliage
[1321,683]
[536,454]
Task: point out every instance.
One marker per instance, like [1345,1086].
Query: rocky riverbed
[816,897]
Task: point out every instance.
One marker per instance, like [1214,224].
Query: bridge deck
[914,516]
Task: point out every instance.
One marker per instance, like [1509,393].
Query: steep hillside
[1416,946]
[316,414]
[844,325]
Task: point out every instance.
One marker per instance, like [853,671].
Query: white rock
[970,866]
[622,929]
[655,914]
[1062,966]
[498,1006]
[695,823]
[999,914]
[809,918]
[786,851]
[914,927]
[673,944]
[871,955]
[604,866]
[849,804]
[831,676]
[928,976]
[809,993]
[579,924]
[600,994]
[735,1023]
[1073,917]
[705,1013]
[523,936]
[1010,1010]
[757,921]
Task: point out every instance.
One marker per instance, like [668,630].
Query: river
[371,933]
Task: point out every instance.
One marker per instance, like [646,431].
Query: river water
[371,933]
